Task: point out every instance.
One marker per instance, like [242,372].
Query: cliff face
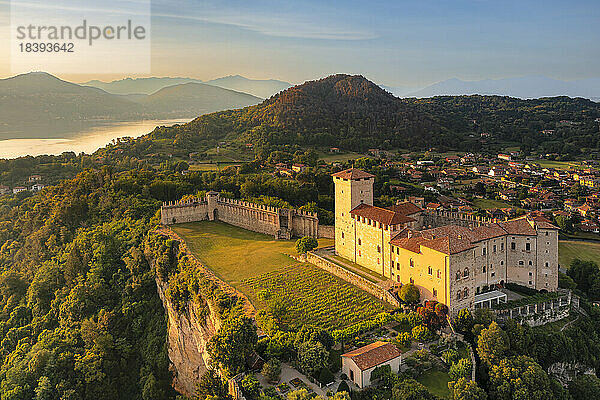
[188,335]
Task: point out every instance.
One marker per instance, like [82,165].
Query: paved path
[288,373]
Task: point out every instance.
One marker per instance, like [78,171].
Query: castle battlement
[283,223]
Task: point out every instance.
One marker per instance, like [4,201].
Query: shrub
[326,377]
[343,387]
[271,370]
[409,293]
[305,244]
[421,333]
[404,339]
[450,356]
[461,369]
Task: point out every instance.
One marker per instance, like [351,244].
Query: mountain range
[129,86]
[527,87]
[39,98]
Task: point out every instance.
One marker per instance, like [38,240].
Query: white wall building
[358,364]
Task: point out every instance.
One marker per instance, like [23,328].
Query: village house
[37,187]
[4,190]
[360,363]
[34,178]
[298,168]
[19,189]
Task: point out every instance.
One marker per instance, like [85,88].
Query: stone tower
[352,187]
[212,199]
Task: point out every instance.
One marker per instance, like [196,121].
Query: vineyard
[313,296]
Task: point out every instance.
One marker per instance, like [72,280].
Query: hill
[257,87]
[195,99]
[138,85]
[341,110]
[38,97]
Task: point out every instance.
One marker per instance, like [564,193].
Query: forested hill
[340,110]
[353,113]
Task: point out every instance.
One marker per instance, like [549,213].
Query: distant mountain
[138,85]
[41,105]
[528,87]
[192,99]
[39,96]
[400,91]
[257,87]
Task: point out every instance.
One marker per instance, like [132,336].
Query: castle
[461,265]
[282,223]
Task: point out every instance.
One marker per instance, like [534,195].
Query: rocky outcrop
[187,338]
[565,372]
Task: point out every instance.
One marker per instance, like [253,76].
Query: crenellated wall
[436,218]
[282,223]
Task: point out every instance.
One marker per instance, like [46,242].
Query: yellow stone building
[458,266]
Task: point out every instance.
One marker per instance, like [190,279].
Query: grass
[234,253]
[488,204]
[253,262]
[311,296]
[358,269]
[557,164]
[571,249]
[436,382]
[339,157]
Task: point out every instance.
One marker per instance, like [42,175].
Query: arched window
[458,295]
[466,293]
[466,273]
[458,276]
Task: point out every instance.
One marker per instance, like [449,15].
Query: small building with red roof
[358,364]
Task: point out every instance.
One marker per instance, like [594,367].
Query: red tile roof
[381,215]
[373,354]
[352,173]
[406,208]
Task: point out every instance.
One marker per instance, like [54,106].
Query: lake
[86,140]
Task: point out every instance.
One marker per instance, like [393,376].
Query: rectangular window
[501,246]
[342,235]
[521,262]
[494,249]
[483,251]
[379,249]
[513,246]
[430,270]
[528,246]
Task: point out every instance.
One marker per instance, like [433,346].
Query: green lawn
[436,382]
[570,249]
[488,204]
[234,253]
[339,157]
[557,164]
[358,269]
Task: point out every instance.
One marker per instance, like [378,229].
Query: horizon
[393,44]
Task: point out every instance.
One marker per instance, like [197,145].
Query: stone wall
[540,313]
[435,218]
[282,223]
[327,231]
[350,277]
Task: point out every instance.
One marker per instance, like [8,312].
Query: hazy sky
[391,42]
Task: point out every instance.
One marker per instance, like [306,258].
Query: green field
[253,262]
[436,382]
[339,157]
[557,164]
[488,204]
[570,249]
[313,296]
[234,253]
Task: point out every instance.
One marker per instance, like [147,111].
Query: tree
[305,244]
[461,369]
[233,343]
[466,389]
[585,387]
[312,357]
[271,370]
[212,385]
[464,320]
[421,333]
[409,293]
[343,387]
[300,394]
[450,356]
[410,389]
[519,378]
[250,386]
[492,344]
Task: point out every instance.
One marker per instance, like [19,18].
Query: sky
[396,43]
